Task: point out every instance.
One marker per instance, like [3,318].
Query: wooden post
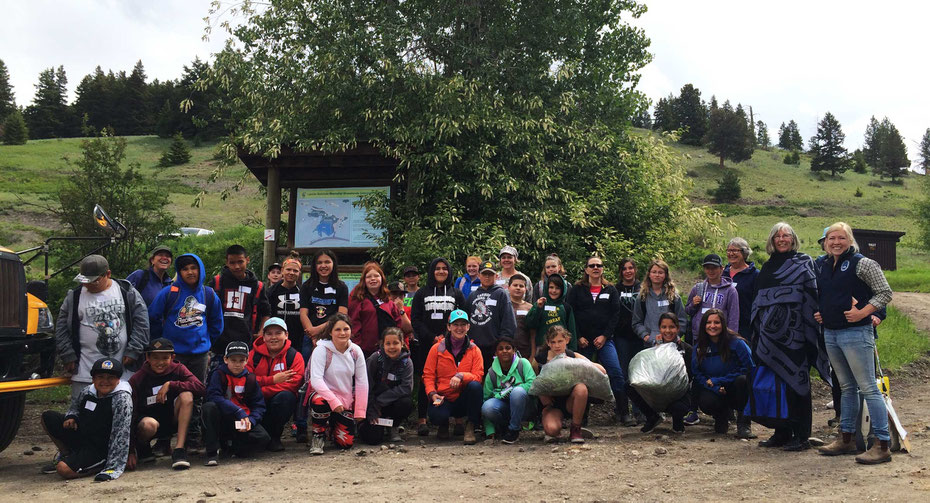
[272,216]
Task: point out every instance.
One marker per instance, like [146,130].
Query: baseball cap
[110,366]
[510,250]
[274,321]
[456,315]
[713,259]
[158,249]
[395,287]
[160,345]
[411,269]
[824,236]
[487,266]
[92,267]
[237,348]
[274,266]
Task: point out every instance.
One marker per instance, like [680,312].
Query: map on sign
[328,218]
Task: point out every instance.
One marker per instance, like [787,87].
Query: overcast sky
[789,59]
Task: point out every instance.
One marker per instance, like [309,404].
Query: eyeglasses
[595,266]
[733,251]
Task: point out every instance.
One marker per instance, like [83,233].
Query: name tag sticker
[239,389]
[90,405]
[278,367]
[521,312]
[391,377]
[384,421]
[704,310]
[329,289]
[294,296]
[550,308]
[626,294]
[734,284]
[436,316]
[150,400]
[199,307]
[492,302]
[245,289]
[156,389]
[605,296]
[663,303]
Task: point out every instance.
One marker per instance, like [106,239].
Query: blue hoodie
[194,318]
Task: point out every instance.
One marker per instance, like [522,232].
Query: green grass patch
[899,341]
[48,396]
[909,280]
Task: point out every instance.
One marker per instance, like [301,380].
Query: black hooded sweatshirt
[431,305]
[238,298]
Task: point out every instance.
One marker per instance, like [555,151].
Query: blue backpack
[767,403]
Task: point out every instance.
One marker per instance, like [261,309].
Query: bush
[728,188]
[760,189]
[873,183]
[15,131]
[793,157]
[858,192]
[212,249]
[178,153]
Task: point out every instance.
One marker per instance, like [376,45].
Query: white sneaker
[316,445]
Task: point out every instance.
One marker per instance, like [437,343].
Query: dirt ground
[622,464]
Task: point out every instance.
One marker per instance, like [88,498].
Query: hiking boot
[144,452]
[692,418]
[179,459]
[301,437]
[468,435]
[458,430]
[775,440]
[678,425]
[422,430]
[394,434]
[745,431]
[510,436]
[879,453]
[721,425]
[275,445]
[212,459]
[627,420]
[442,433]
[651,424]
[840,446]
[796,445]
[576,436]
[316,444]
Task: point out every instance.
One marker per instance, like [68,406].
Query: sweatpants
[279,408]
[342,424]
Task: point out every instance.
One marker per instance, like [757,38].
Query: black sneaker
[627,420]
[651,423]
[745,431]
[510,436]
[212,459]
[179,459]
[678,425]
[422,430]
[53,466]
[692,418]
[275,445]
[795,445]
[144,452]
[774,441]
[163,447]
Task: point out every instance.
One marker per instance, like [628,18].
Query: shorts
[85,461]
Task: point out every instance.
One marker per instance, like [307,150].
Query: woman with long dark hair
[321,296]
[626,340]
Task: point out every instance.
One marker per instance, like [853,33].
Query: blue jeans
[626,349]
[468,404]
[607,357]
[852,354]
[511,411]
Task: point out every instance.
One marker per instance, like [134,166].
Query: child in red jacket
[279,371]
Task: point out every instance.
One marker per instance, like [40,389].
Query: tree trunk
[721,162]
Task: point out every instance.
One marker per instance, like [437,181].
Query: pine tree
[136,102]
[871,142]
[894,159]
[7,100]
[664,115]
[728,188]
[784,138]
[924,153]
[794,139]
[762,135]
[827,151]
[728,135]
[178,153]
[49,116]
[858,163]
[691,115]
[14,129]
[642,118]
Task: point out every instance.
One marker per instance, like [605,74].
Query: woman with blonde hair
[657,295]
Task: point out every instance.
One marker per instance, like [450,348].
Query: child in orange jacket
[279,371]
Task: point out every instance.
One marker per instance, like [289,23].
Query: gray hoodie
[646,314]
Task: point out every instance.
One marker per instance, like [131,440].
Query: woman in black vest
[852,288]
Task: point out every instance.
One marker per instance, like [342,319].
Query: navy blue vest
[838,285]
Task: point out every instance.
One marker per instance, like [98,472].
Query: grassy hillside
[34,172]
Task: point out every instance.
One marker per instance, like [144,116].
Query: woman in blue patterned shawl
[785,335]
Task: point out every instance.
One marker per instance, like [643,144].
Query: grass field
[899,341]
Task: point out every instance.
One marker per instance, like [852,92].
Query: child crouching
[390,381]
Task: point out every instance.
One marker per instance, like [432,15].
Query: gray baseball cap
[92,267]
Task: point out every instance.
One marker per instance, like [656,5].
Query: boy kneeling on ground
[93,436]
[163,393]
[232,413]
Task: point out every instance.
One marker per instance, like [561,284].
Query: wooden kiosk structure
[362,167]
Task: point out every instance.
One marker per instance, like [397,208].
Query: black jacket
[239,300]
[598,317]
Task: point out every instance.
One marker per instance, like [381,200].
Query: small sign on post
[269,234]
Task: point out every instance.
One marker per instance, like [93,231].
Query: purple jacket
[723,297]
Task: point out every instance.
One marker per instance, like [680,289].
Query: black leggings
[420,352]
[719,406]
[398,411]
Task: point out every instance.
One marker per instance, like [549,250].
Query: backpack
[124,287]
[288,358]
[493,375]
[258,291]
[768,401]
[303,394]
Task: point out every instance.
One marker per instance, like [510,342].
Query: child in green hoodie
[506,392]
[551,311]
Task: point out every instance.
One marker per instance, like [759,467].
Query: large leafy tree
[728,135]
[827,150]
[691,115]
[7,99]
[509,119]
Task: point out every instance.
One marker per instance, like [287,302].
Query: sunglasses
[595,266]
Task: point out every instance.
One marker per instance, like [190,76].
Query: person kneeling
[452,379]
[93,436]
[163,392]
[232,413]
[507,402]
[279,371]
[390,378]
[555,408]
[339,385]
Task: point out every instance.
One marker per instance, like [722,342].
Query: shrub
[760,189]
[793,157]
[728,188]
[178,153]
[858,192]
[212,249]
[14,129]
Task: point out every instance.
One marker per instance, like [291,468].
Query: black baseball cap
[237,348]
[411,269]
[713,259]
[487,266]
[110,366]
[274,266]
[160,345]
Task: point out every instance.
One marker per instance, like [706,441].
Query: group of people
[225,363]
